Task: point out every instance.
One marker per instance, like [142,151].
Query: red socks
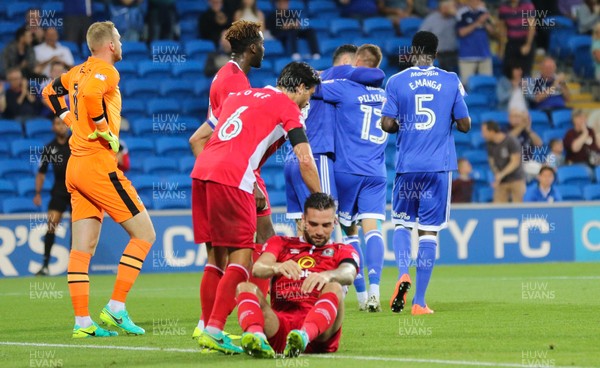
[321,316]
[250,315]
[210,282]
[225,295]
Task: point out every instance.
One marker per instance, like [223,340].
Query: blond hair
[98,34]
[370,54]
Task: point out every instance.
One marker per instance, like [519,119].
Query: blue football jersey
[425,101]
[359,141]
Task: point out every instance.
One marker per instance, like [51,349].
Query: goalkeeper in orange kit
[95,183]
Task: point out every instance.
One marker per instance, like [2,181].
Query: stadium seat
[577,174]
[476,157]
[144,126]
[140,147]
[409,26]
[165,47]
[562,119]
[14,169]
[462,141]
[277,198]
[379,27]
[186,164]
[551,134]
[16,10]
[172,147]
[485,195]
[163,167]
[133,51]
[10,129]
[591,192]
[163,106]
[134,108]
[179,200]
[485,85]
[19,205]
[280,63]
[177,89]
[39,128]
[187,10]
[183,181]
[7,189]
[140,88]
[148,69]
[320,64]
[56,7]
[127,69]
[189,30]
[328,46]
[191,70]
[26,148]
[346,27]
[539,118]
[570,192]
[7,30]
[500,117]
[398,46]
[196,107]
[265,6]
[26,187]
[145,184]
[274,49]
[74,48]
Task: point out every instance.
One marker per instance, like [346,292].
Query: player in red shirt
[307,307]
[247,52]
[223,207]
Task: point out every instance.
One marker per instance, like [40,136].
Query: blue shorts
[297,192]
[424,196]
[360,197]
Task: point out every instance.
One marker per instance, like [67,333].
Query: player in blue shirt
[359,168]
[423,102]
[543,190]
[320,130]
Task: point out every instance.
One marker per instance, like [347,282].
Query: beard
[317,242]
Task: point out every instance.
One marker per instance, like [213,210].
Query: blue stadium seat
[19,205]
[485,85]
[591,192]
[328,46]
[127,69]
[379,27]
[144,127]
[320,64]
[145,184]
[551,134]
[163,106]
[10,129]
[190,70]
[7,189]
[39,128]
[140,88]
[172,147]
[163,167]
[73,47]
[277,198]
[577,174]
[296,5]
[188,10]
[274,49]
[177,89]
[476,157]
[462,141]
[170,202]
[134,108]
[26,187]
[182,181]
[140,147]
[258,77]
[265,6]
[477,100]
[539,118]
[7,30]
[165,47]
[186,164]
[569,192]
[195,106]
[26,148]
[147,201]
[133,51]
[148,69]
[57,7]
[202,87]
[397,46]
[485,195]
[322,9]
[198,48]
[597,174]
[136,165]
[14,169]
[500,117]
[16,10]
[580,44]
[280,63]
[4,152]
[562,119]
[189,29]
[346,27]
[409,26]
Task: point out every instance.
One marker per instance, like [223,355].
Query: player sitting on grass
[307,298]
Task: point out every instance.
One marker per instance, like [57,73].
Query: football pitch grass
[501,315]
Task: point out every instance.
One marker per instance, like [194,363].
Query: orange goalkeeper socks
[79,281]
[129,267]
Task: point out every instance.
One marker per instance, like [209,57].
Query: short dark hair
[344,49]
[319,201]
[424,43]
[20,33]
[554,141]
[242,34]
[296,73]
[547,168]
[493,126]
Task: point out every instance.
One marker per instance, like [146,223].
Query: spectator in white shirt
[51,50]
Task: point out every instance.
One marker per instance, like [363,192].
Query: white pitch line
[318,356]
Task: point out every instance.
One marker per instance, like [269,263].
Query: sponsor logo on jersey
[328,252]
[294,251]
[306,262]
[102,77]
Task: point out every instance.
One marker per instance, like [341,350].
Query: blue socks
[402,242]
[359,282]
[374,258]
[425,262]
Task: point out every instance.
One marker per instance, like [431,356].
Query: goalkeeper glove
[108,136]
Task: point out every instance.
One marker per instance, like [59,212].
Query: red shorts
[223,215]
[293,321]
[260,183]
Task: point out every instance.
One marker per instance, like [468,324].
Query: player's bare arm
[389,125]
[464,124]
[199,139]
[308,168]
[267,266]
[344,274]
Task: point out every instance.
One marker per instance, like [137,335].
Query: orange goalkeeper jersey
[93,89]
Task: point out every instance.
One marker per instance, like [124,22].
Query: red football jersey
[249,123]
[286,294]
[229,79]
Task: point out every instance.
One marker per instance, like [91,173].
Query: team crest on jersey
[328,252]
[306,262]
[461,88]
[294,251]
[102,77]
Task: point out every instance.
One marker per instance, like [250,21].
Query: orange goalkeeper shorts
[97,185]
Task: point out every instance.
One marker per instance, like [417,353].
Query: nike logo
[89,333]
[117,320]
